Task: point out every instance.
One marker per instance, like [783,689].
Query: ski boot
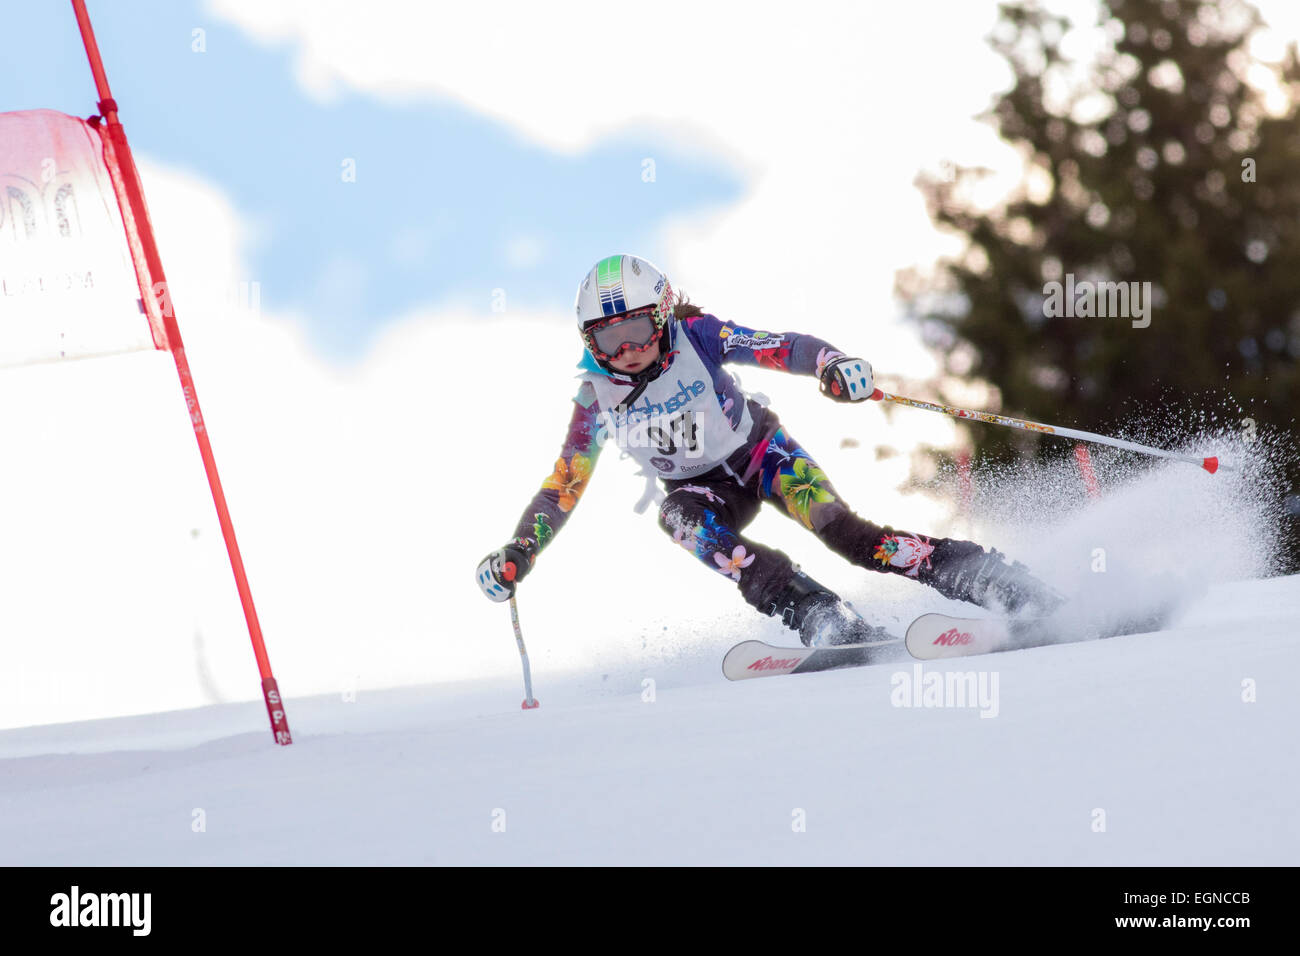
[966,572]
[820,616]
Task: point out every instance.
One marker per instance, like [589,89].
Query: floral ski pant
[707,515]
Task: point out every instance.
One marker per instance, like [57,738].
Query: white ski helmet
[616,289]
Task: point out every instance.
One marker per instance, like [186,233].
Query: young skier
[653,380]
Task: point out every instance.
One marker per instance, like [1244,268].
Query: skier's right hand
[501,571]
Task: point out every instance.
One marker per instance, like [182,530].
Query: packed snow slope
[1176,747]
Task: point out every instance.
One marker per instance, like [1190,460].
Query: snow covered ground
[1137,750]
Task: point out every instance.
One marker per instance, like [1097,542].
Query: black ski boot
[969,573]
[820,617]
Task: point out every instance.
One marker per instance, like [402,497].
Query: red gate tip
[530,706]
[1211,465]
[877,394]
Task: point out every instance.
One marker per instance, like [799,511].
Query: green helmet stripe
[609,285]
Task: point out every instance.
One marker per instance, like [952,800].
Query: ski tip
[530,705]
[1210,464]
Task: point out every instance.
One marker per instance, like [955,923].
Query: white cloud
[827,115]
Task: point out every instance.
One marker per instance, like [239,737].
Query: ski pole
[529,703]
[1209,464]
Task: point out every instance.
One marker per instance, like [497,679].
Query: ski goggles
[635,331]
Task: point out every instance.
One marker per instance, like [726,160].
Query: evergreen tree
[1153,162]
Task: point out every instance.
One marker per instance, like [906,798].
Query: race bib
[676,426]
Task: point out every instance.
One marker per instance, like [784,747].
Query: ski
[937,636]
[757,659]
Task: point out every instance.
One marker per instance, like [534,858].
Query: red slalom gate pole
[1084,459]
[965,484]
[153,289]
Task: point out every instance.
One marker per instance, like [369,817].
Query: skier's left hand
[847,379]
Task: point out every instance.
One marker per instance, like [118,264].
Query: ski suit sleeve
[559,494]
[792,352]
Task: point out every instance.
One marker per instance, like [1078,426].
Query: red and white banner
[68,285]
